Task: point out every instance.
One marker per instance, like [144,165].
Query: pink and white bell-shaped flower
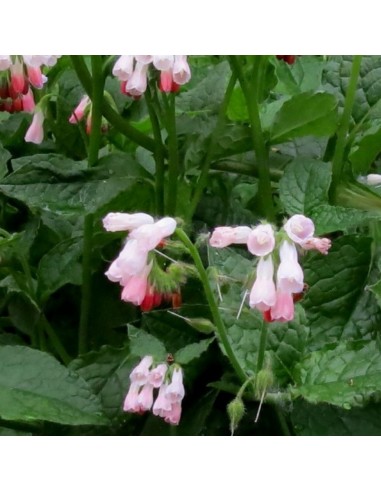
[123,67]
[35,77]
[28,104]
[35,133]
[79,111]
[140,373]
[149,236]
[181,71]
[162,404]
[157,375]
[145,398]
[144,59]
[132,259]
[225,236]
[322,244]
[283,310]
[299,228]
[5,62]
[175,391]
[135,287]
[118,221]
[137,83]
[166,81]
[290,273]
[163,62]
[263,295]
[174,414]
[261,240]
[131,402]
[17,84]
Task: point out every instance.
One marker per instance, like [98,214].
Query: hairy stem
[173,154]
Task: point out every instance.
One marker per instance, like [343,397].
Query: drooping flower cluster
[135,268]
[275,301]
[132,71]
[18,74]
[145,379]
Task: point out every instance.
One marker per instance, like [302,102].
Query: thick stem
[342,132]
[219,324]
[158,154]
[108,112]
[173,154]
[201,183]
[259,145]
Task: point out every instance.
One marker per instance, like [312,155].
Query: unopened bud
[264,380]
[202,325]
[236,410]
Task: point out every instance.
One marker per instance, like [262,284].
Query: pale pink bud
[35,77]
[174,414]
[320,244]
[163,62]
[123,67]
[141,372]
[161,405]
[225,236]
[181,70]
[79,111]
[299,228]
[131,403]
[135,287]
[28,103]
[132,259]
[150,235]
[156,376]
[262,295]
[175,391]
[283,310]
[35,133]
[166,81]
[5,62]
[290,273]
[117,221]
[137,83]
[261,240]
[145,398]
[144,59]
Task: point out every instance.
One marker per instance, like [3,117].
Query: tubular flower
[261,240]
[262,295]
[35,133]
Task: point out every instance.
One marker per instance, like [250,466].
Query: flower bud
[264,380]
[236,410]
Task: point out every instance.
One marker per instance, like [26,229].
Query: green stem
[96,109]
[55,341]
[108,112]
[262,347]
[173,154]
[342,132]
[219,324]
[259,145]
[158,154]
[201,183]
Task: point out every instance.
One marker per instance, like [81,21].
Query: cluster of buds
[290,59]
[18,74]
[145,378]
[132,71]
[275,302]
[136,268]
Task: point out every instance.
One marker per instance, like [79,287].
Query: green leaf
[336,304]
[60,266]
[328,218]
[5,431]
[35,386]
[305,114]
[237,109]
[192,351]
[304,75]
[305,185]
[142,343]
[327,420]
[345,376]
[4,158]
[366,150]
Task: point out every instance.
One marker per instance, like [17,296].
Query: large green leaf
[143,343]
[365,151]
[346,376]
[35,386]
[302,76]
[305,114]
[329,218]
[337,306]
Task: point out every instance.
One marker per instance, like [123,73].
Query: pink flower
[320,244]
[140,373]
[137,83]
[79,111]
[145,398]
[156,376]
[166,81]
[173,415]
[163,62]
[17,77]
[161,405]
[144,59]
[35,133]
[131,403]
[181,70]
[261,240]
[28,103]
[299,228]
[35,77]
[290,273]
[5,62]
[148,236]
[135,287]
[116,221]
[175,391]
[262,295]
[283,310]
[225,236]
[132,259]
[124,67]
